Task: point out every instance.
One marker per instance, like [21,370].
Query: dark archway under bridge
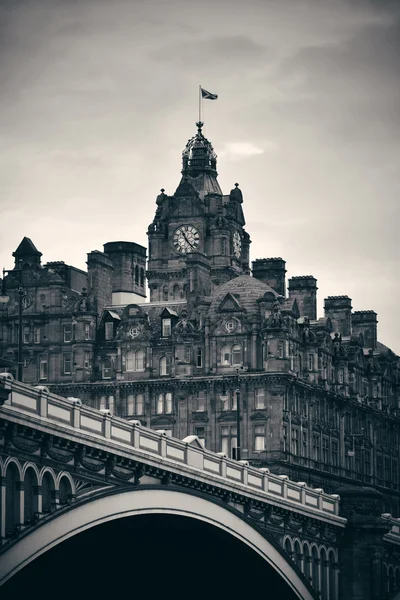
[154,555]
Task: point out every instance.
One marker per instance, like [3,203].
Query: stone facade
[319,396]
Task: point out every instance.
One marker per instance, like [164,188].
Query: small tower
[128,275]
[27,255]
[338,308]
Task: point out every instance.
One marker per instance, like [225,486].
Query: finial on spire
[199,125]
[236,185]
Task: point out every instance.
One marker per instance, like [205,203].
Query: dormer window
[166,327]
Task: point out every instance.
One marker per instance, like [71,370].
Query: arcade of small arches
[392,578]
[319,564]
[29,493]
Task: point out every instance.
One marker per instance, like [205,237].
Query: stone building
[319,396]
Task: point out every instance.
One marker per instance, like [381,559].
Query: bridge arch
[144,501]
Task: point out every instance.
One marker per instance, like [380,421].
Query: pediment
[227,416]
[259,415]
[230,304]
[193,440]
[162,420]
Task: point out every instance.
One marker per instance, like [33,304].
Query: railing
[71,414]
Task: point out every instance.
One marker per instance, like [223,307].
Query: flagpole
[199,103]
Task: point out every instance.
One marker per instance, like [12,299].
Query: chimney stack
[365,322]
[303,288]
[338,309]
[272,272]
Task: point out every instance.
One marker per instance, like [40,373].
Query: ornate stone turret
[27,254]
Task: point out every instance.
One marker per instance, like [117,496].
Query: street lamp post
[224,398]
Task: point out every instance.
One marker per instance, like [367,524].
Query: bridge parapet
[27,404]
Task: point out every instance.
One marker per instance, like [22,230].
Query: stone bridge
[69,471]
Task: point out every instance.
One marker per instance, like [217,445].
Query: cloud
[239,150]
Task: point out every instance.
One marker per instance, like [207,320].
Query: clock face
[237,244]
[186,239]
[27,301]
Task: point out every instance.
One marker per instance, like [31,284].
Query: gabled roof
[27,248]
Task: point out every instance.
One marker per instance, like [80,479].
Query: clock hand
[187,240]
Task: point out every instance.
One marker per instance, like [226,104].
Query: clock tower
[197,239]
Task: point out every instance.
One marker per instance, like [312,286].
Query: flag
[208,95]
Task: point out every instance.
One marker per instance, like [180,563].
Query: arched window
[129,360]
[165,293]
[106,369]
[199,358]
[136,274]
[47,492]
[30,496]
[139,366]
[141,277]
[236,354]
[299,364]
[164,365]
[12,499]
[175,292]
[225,356]
[65,490]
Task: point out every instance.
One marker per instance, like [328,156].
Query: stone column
[2,509]
[361,547]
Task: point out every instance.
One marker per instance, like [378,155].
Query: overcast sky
[98,98]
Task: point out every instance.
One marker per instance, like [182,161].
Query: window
[295,441]
[280,349]
[237,354]
[341,375]
[134,404]
[200,432]
[108,330]
[164,403]
[165,293]
[259,438]
[259,398]
[86,360]
[201,402]
[129,360]
[367,462]
[231,402]
[316,447]
[26,335]
[166,327]
[285,442]
[305,443]
[199,362]
[68,333]
[36,335]
[394,472]
[43,369]
[16,333]
[335,453]
[228,440]
[67,364]
[188,354]
[175,292]
[325,450]
[136,274]
[106,369]
[387,471]
[379,468]
[87,331]
[223,246]
[225,356]
[139,360]
[141,277]
[296,402]
[164,365]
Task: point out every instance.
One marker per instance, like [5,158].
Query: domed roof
[246,289]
